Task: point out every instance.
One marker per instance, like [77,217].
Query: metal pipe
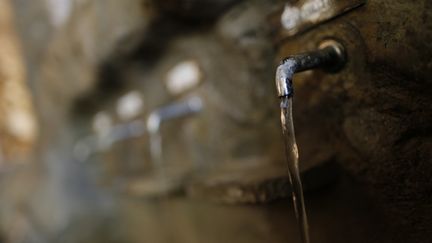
[87,146]
[330,55]
[177,110]
[190,106]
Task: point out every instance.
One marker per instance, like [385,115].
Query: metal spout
[91,144]
[330,56]
[191,106]
[172,111]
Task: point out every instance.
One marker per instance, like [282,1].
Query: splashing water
[292,156]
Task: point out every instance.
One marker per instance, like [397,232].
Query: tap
[176,110]
[330,56]
[92,144]
[85,147]
[191,106]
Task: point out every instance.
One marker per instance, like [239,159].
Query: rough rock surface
[373,117]
[376,113]
[18,129]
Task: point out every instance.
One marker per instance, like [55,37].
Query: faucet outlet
[330,56]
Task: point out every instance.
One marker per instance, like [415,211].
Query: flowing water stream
[292,156]
[156,151]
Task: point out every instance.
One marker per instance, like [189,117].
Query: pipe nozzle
[330,56]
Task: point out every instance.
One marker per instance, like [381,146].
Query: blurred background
[158,121]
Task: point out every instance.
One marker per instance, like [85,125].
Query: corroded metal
[330,55]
